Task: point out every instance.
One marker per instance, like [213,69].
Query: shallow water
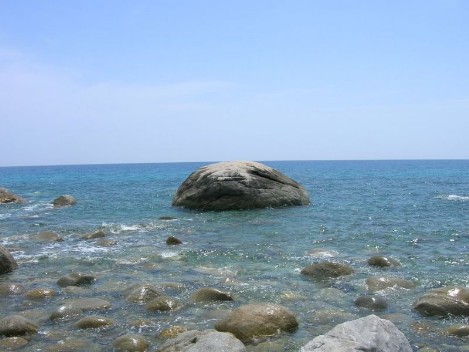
[413,211]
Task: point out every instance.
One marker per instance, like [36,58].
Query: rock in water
[238,185]
[443,301]
[7,262]
[8,197]
[64,200]
[203,341]
[365,334]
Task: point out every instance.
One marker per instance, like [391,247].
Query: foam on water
[457,198]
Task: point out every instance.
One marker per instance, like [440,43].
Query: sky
[114,81]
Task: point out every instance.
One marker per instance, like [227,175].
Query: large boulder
[365,334]
[16,325]
[7,197]
[203,341]
[64,201]
[238,185]
[259,320]
[7,262]
[444,301]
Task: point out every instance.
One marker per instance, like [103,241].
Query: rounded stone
[131,343]
[75,279]
[64,200]
[163,304]
[444,301]
[142,293]
[172,332]
[238,185]
[11,289]
[93,322]
[203,341]
[7,262]
[327,270]
[458,330]
[208,294]
[173,241]
[258,320]
[381,283]
[66,311]
[371,302]
[382,261]
[16,325]
[94,235]
[40,293]
[12,343]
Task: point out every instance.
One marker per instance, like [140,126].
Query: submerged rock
[365,334]
[207,294]
[258,321]
[131,343]
[142,293]
[11,289]
[460,330]
[12,343]
[16,325]
[48,236]
[383,262]
[89,303]
[327,270]
[7,262]
[75,279]
[41,293]
[93,322]
[163,304]
[203,341]
[7,197]
[64,201]
[371,302]
[238,185]
[94,235]
[381,283]
[444,301]
[66,311]
[173,241]
[172,332]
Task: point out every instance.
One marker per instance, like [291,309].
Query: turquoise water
[413,211]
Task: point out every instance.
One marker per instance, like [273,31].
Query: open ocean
[416,212]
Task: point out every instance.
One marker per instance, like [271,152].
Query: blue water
[413,211]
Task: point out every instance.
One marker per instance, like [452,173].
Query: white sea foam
[457,197]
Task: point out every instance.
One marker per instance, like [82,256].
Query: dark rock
[203,341]
[131,343]
[172,241]
[94,235]
[365,334]
[381,261]
[258,321]
[371,302]
[238,185]
[75,279]
[40,293]
[10,289]
[167,218]
[16,325]
[8,197]
[7,262]
[207,294]
[142,293]
[93,322]
[66,311]
[444,301]
[163,304]
[381,283]
[64,200]
[327,270]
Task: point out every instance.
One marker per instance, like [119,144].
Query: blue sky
[169,80]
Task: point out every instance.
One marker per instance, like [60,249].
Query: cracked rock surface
[239,185]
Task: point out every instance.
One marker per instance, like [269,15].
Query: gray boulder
[365,334]
[238,185]
[7,262]
[258,321]
[203,341]
[8,197]
[444,301]
[64,200]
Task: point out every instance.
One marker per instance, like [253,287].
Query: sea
[414,211]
